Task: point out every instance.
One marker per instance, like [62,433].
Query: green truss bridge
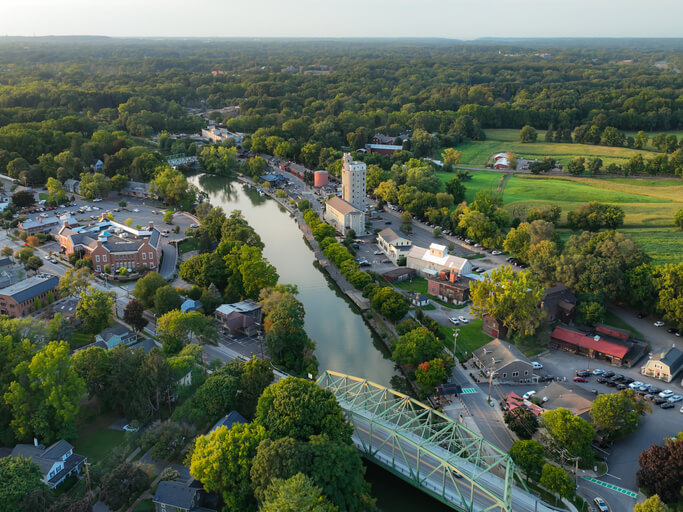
[429,450]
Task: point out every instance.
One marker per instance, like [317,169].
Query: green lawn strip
[42,196]
[145,506]
[95,440]
[80,339]
[613,320]
[187,245]
[470,338]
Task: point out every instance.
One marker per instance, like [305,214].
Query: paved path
[169,261]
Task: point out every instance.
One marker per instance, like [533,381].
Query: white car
[666,393]
[136,210]
[96,200]
[536,365]
[635,385]
[454,320]
[496,253]
[681,411]
[658,323]
[598,371]
[463,320]
[528,395]
[377,253]
[675,398]
[600,503]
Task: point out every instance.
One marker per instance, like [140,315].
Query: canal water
[344,343]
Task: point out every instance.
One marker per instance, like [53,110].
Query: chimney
[151,225]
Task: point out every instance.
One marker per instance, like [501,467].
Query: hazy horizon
[454,19]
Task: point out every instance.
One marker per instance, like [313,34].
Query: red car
[580,379]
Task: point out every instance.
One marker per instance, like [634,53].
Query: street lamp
[455,343]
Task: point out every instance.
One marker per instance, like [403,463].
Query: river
[344,343]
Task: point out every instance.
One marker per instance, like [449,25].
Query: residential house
[38,225]
[56,462]
[229,420]
[429,262]
[576,399]
[493,327]
[19,299]
[506,361]
[392,244]
[190,305]
[382,149]
[180,497]
[419,300]
[239,318]
[605,342]
[559,303]
[664,366]
[113,336]
[71,186]
[344,216]
[451,288]
[137,189]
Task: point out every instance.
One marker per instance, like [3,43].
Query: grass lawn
[416,284]
[187,245]
[42,196]
[95,440]
[615,321]
[145,506]
[80,339]
[470,338]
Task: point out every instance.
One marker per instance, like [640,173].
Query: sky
[456,19]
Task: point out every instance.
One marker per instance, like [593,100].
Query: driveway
[659,339]
[169,261]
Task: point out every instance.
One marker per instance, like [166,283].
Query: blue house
[113,336]
[190,305]
[275,180]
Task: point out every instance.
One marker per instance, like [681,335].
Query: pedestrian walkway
[612,487]
[469,391]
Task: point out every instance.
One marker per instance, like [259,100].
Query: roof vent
[596,337]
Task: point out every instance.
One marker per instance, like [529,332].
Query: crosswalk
[612,487]
[469,391]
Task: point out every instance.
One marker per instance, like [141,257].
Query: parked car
[496,253]
[635,384]
[675,398]
[618,377]
[580,379]
[136,210]
[194,226]
[649,397]
[454,320]
[129,427]
[598,371]
[667,405]
[658,323]
[666,393]
[602,380]
[463,320]
[627,380]
[608,374]
[536,365]
[582,373]
[671,330]
[659,400]
[528,394]
[612,383]
[97,200]
[621,386]
[377,253]
[641,315]
[681,411]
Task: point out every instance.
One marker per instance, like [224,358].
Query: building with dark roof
[113,336]
[20,298]
[38,225]
[558,303]
[399,275]
[180,497]
[229,420]
[241,317]
[608,343]
[664,366]
[56,462]
[137,189]
[392,244]
[275,180]
[449,287]
[505,360]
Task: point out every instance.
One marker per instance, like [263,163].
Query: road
[379,436]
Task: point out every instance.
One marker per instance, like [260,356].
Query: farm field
[649,204]
[477,153]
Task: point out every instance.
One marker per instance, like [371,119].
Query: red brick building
[19,299]
[449,287]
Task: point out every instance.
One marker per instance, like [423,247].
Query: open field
[95,440]
[477,153]
[649,204]
[470,338]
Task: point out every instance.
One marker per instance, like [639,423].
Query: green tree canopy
[296,494]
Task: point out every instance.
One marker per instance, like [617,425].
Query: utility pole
[455,344]
[493,362]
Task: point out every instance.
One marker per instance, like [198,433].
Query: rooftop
[447,260]
[343,207]
[501,352]
[175,494]
[673,359]
[584,340]
[229,420]
[239,307]
[31,287]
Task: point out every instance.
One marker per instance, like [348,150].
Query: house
[218,135]
[247,307]
[429,262]
[493,327]
[99,165]
[392,244]
[419,300]
[66,307]
[275,180]
[450,287]
[344,216]
[71,186]
[618,349]
[513,401]
[190,305]
[501,163]
[506,362]
[576,399]
[380,138]
[398,275]
[114,336]
[137,189]
[180,497]
[664,366]
[38,225]
[382,149]
[56,462]
[241,317]
[229,420]
[559,303]
[20,299]
[499,156]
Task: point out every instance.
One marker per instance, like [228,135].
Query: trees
[660,469]
[166,299]
[93,309]
[617,414]
[222,461]
[451,157]
[23,198]
[93,185]
[46,395]
[56,191]
[569,432]
[146,288]
[522,422]
[171,187]
[299,409]
[529,456]
[132,315]
[455,187]
[168,217]
[528,134]
[390,303]
[510,297]
[557,480]
[595,216]
[429,374]
[176,329]
[20,477]
[416,346]
[652,504]
[576,166]
[296,494]
[122,484]
[670,285]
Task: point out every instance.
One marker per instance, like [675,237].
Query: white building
[353,182]
[429,262]
[342,215]
[218,135]
[392,244]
